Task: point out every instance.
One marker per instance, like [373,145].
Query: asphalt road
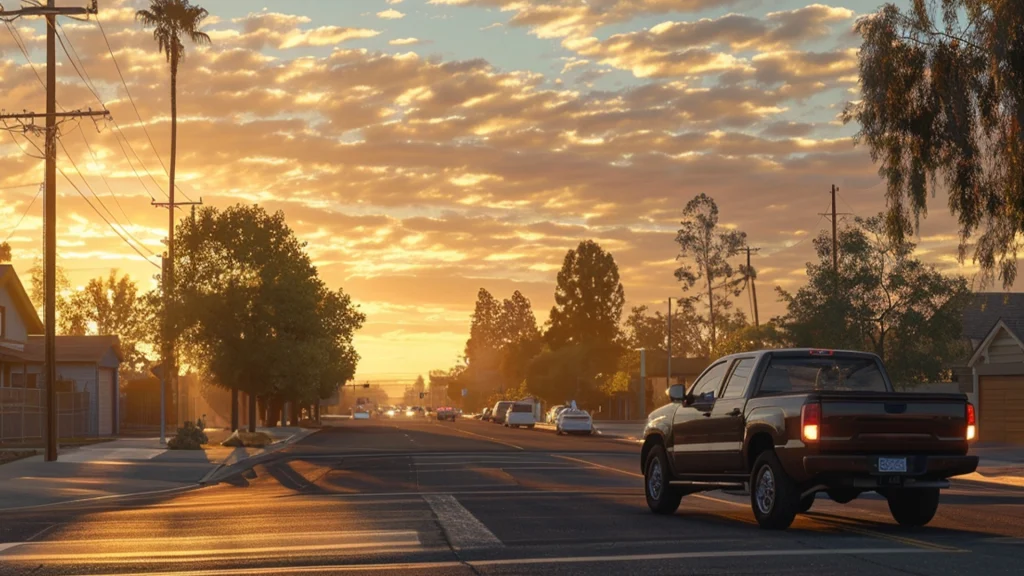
[432,498]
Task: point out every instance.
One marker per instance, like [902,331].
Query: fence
[23,414]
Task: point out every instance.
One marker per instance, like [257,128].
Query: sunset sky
[427,148]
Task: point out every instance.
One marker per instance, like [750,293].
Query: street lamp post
[643,382]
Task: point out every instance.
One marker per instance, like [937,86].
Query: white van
[520,414]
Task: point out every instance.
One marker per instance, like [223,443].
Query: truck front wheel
[773,495]
[662,497]
[913,506]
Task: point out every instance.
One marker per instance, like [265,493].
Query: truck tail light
[810,422]
[972,422]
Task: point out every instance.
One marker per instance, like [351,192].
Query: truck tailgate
[870,422]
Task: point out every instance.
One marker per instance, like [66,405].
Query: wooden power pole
[753,287]
[27,120]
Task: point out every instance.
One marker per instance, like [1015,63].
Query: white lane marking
[9,545]
[463,529]
[524,492]
[175,552]
[418,566]
[495,440]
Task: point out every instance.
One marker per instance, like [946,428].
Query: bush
[248,439]
[189,437]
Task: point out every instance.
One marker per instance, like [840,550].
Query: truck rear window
[789,375]
[522,408]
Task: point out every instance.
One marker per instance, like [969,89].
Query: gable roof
[9,279]
[83,349]
[984,344]
[985,309]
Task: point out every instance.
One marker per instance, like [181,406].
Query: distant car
[553,413]
[447,413]
[485,415]
[574,422]
[500,410]
[390,412]
[520,414]
[415,412]
[361,413]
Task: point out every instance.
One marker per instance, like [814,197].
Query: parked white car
[360,413]
[552,416]
[574,422]
[520,414]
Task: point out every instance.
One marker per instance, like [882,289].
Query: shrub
[248,439]
[188,437]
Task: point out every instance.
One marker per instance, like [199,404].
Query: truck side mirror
[676,393]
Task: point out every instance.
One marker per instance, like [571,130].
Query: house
[994,375]
[87,366]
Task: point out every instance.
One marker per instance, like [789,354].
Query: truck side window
[709,383]
[737,384]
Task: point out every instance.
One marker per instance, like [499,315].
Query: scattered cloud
[390,14]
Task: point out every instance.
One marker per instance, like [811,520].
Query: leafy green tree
[710,247]
[750,338]
[941,109]
[255,314]
[484,332]
[520,338]
[882,300]
[113,305]
[588,299]
[5,252]
[36,290]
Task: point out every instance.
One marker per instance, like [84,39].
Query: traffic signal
[367,385]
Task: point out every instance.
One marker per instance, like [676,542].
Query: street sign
[465,392]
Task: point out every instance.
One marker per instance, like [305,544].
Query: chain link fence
[23,415]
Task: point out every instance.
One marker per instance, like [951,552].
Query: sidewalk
[125,466]
[1000,464]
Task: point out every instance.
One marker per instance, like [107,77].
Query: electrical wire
[103,177]
[100,200]
[24,214]
[131,99]
[83,73]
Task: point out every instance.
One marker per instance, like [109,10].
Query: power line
[104,206]
[103,177]
[25,213]
[136,108]
[91,205]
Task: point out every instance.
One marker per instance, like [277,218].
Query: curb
[207,480]
[224,471]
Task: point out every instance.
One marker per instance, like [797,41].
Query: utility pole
[668,373]
[835,241]
[835,235]
[167,275]
[753,287]
[50,12]
[643,383]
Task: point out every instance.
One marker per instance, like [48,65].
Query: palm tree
[171,20]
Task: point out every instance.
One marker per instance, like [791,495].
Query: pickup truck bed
[790,423]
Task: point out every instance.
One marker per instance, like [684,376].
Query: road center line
[463,529]
[495,440]
[419,566]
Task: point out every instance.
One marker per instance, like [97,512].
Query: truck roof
[808,351]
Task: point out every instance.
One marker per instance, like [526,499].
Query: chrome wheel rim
[765,494]
[655,481]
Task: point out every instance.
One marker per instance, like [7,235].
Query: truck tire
[662,498]
[805,504]
[773,495]
[913,507]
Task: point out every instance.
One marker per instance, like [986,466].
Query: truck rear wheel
[773,495]
[913,506]
[806,504]
[662,497]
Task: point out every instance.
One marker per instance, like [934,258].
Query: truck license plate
[891,465]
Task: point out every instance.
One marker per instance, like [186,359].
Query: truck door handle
[707,414]
[735,412]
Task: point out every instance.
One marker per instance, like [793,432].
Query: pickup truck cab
[788,424]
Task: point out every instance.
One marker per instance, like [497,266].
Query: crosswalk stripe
[462,529]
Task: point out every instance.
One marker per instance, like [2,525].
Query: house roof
[984,344]
[986,309]
[85,349]
[9,279]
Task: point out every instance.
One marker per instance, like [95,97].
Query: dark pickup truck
[787,424]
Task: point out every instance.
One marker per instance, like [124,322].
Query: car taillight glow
[810,422]
[972,424]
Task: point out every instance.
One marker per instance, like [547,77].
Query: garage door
[1002,409]
[106,402]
